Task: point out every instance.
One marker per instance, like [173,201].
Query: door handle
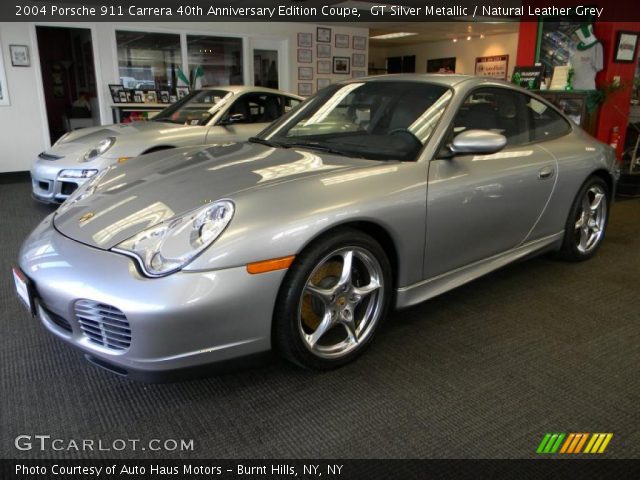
[545,172]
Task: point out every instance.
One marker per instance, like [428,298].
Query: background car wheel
[587,221]
[332,300]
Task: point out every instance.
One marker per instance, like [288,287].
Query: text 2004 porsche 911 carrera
[390,188]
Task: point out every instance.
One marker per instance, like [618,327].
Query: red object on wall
[615,110]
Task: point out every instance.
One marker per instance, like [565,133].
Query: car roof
[236,89]
[445,79]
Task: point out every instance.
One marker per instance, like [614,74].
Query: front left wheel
[332,300]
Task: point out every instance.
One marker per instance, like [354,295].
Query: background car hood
[84,138]
[155,187]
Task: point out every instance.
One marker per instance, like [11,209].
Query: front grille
[49,156]
[57,319]
[43,186]
[103,324]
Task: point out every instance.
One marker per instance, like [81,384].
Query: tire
[587,221]
[318,304]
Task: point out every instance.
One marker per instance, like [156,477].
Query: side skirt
[426,289]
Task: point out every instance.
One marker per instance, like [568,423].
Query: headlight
[173,243]
[85,190]
[99,148]
[77,173]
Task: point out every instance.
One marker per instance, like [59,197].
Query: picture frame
[322,83]
[172,98]
[115,89]
[358,74]
[305,55]
[182,92]
[137,98]
[441,65]
[323,50]
[626,46]
[305,73]
[305,89]
[323,35]
[129,95]
[4,90]
[20,55]
[359,42]
[164,96]
[342,40]
[305,40]
[324,67]
[150,96]
[493,66]
[342,65]
[359,60]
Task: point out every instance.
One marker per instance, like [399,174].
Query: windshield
[378,120]
[197,108]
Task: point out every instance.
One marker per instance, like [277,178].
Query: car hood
[85,138]
[137,195]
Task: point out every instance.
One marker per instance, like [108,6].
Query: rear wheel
[587,221]
[332,300]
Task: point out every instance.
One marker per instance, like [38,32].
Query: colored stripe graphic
[555,443]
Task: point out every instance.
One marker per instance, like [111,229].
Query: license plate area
[24,289]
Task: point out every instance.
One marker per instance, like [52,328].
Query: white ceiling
[435,31]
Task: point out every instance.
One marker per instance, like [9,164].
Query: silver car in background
[212,115]
[374,193]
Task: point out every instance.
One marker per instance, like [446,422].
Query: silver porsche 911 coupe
[374,193]
[212,115]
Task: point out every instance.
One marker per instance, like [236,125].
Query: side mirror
[233,118]
[478,141]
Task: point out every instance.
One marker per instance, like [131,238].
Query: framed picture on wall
[358,74]
[305,73]
[305,89]
[305,55]
[342,65]
[323,51]
[626,46]
[116,90]
[323,35]
[495,66]
[359,43]
[358,60]
[323,82]
[182,92]
[342,41]
[305,40]
[324,67]
[20,55]
[164,96]
[4,92]
[150,96]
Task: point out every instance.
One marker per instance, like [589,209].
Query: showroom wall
[28,134]
[464,50]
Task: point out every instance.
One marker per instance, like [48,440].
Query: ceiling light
[469,37]
[388,36]
[455,40]
[482,35]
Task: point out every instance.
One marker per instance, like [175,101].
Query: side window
[289,104]
[257,108]
[545,122]
[500,110]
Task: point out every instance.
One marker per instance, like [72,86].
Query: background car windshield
[197,108]
[382,120]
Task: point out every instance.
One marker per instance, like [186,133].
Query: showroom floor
[483,371]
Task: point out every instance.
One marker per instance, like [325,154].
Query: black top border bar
[314,11]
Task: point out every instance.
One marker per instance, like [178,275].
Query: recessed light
[455,40]
[469,37]
[387,36]
[482,35]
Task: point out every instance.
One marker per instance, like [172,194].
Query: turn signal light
[270,265]
[123,159]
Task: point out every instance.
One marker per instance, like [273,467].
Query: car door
[482,205]
[247,116]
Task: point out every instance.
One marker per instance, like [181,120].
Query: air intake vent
[103,324]
[49,156]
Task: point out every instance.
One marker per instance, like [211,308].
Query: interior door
[483,205]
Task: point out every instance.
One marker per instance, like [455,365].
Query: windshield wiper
[316,146]
[268,143]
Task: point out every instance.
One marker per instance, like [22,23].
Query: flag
[183,81]
[198,74]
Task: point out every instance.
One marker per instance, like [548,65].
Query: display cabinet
[574,105]
[130,112]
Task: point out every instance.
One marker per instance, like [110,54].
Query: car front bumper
[48,186]
[184,320]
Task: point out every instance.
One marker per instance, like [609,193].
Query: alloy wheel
[592,217]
